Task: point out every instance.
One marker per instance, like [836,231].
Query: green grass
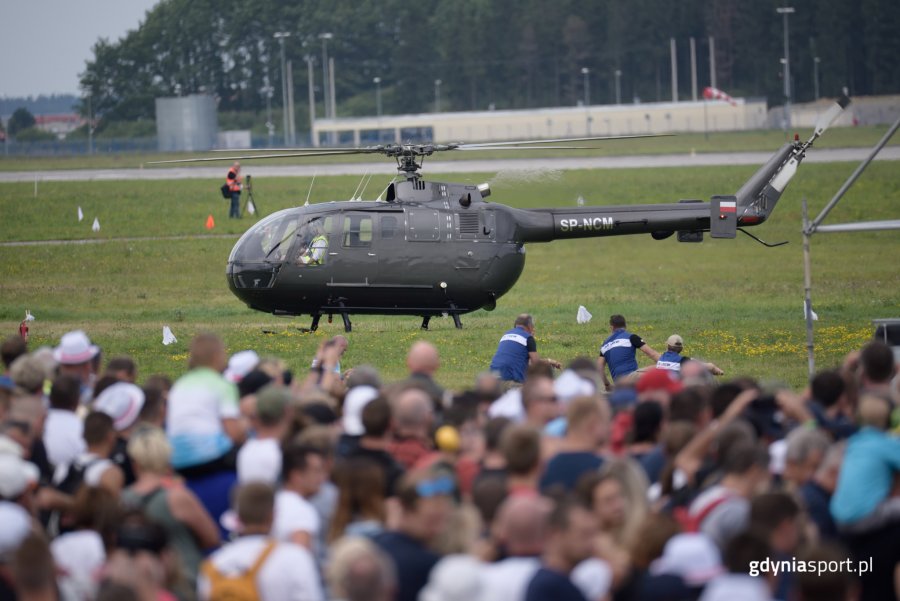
[838,137]
[734,302]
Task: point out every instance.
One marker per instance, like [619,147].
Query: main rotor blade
[297,149]
[555,140]
[257,156]
[829,116]
[526,148]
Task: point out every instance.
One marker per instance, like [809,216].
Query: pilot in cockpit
[314,253]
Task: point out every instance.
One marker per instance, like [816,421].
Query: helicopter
[434,248]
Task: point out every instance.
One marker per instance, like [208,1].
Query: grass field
[734,302]
[839,137]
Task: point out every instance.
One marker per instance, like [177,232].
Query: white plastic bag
[584,315]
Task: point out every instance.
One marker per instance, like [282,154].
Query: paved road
[822,155]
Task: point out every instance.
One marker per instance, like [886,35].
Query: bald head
[412,411]
[521,525]
[423,358]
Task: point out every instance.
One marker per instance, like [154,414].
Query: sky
[46,43]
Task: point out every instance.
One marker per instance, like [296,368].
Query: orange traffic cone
[210,222]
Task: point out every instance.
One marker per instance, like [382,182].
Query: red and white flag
[711,93]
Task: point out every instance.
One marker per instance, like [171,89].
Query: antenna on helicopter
[308,194]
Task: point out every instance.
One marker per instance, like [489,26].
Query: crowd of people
[243,480]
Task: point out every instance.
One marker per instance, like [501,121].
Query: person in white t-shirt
[98,470]
[282,571]
[259,460]
[63,429]
[302,474]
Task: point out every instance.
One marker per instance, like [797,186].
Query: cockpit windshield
[271,240]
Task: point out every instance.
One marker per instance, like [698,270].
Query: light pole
[437,95]
[785,11]
[816,62]
[586,73]
[280,36]
[377,82]
[618,75]
[270,127]
[326,85]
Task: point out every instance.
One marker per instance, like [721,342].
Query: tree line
[502,54]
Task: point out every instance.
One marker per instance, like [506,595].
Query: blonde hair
[150,450]
[874,411]
[634,483]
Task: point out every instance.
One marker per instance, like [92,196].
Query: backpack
[60,522]
[236,588]
[691,523]
[226,190]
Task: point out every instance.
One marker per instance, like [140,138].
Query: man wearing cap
[517,350]
[672,358]
[75,355]
[618,350]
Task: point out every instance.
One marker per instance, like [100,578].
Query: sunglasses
[443,485]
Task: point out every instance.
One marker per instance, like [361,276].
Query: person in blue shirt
[517,350]
[672,358]
[618,351]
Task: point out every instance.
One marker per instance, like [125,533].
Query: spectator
[426,500]
[204,425]
[360,571]
[588,429]
[688,563]
[302,474]
[374,444]
[123,402]
[862,501]
[17,476]
[658,385]
[340,343]
[93,467]
[63,429]
[571,529]
[830,405]
[722,510]
[412,411]
[156,392]
[876,368]
[776,517]
[539,399]
[239,365]
[259,459]
[16,529]
[805,449]
[454,578]
[617,352]
[358,396]
[518,533]
[168,502]
[521,448]
[517,351]
[743,552]
[816,493]
[278,570]
[122,369]
[11,349]
[75,356]
[829,585]
[423,362]
[361,507]
[644,446]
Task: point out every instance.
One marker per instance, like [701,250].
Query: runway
[432,166]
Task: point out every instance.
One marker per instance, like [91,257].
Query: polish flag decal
[728,206]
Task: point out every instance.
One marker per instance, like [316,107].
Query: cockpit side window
[312,243]
[357,231]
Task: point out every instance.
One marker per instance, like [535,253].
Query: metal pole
[331,94]
[807,291]
[693,70]
[325,86]
[712,62]
[437,95]
[816,76]
[674,70]
[785,11]
[618,75]
[853,177]
[269,127]
[311,83]
[586,74]
[377,82]
[90,127]
[292,129]
[280,36]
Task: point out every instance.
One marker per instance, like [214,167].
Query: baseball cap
[692,556]
[75,348]
[122,402]
[271,402]
[240,364]
[674,340]
[659,379]
[354,403]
